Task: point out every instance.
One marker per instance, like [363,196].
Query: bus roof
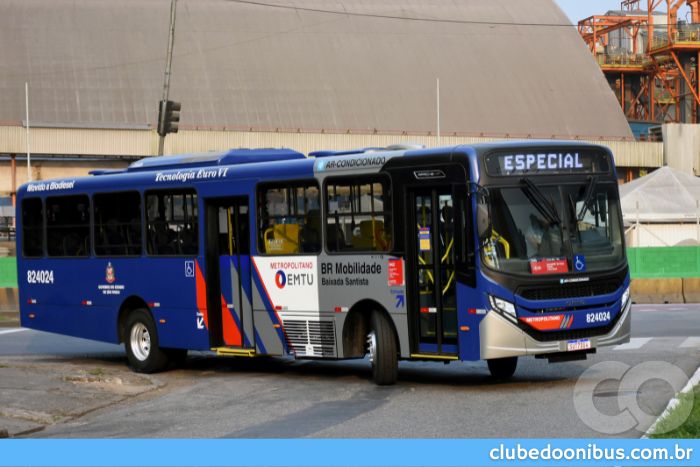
[214,158]
[270,163]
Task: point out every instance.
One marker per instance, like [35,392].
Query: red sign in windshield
[549,266]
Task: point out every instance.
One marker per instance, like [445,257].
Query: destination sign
[546,163]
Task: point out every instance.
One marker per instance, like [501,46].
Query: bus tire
[382,348]
[141,343]
[502,368]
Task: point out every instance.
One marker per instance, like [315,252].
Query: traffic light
[168,117]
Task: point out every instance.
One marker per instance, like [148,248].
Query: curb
[690,385]
[9,299]
[9,319]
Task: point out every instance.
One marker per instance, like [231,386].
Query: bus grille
[586,289]
[311,338]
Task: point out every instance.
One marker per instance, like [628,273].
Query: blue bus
[484,252]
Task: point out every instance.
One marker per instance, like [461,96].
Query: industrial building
[307,75]
[649,51]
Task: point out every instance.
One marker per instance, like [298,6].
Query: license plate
[580,344]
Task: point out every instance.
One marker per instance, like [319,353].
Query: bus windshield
[540,229]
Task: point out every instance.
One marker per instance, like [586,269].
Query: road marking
[634,343]
[690,342]
[10,331]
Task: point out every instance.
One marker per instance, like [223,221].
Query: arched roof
[312,65]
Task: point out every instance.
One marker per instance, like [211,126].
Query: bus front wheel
[141,343]
[381,343]
[502,368]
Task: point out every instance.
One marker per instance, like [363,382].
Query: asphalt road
[224,397]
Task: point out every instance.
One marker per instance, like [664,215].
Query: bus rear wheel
[141,343]
[382,349]
[502,368]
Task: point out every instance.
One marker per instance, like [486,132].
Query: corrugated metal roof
[242,65]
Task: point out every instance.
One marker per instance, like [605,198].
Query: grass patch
[96,372]
[688,428]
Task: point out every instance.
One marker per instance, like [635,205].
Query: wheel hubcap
[140,341]
[372,346]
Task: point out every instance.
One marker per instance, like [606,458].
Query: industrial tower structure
[651,58]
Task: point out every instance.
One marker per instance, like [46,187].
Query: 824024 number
[41,276]
[600,317]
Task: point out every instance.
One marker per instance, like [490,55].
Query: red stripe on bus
[201,288]
[232,335]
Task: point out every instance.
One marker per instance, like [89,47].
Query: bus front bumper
[500,338]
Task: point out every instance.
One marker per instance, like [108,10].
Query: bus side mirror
[483,216]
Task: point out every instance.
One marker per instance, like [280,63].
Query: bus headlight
[504,307]
[625,297]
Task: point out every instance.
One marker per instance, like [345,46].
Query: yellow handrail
[447,251]
[449,283]
[506,246]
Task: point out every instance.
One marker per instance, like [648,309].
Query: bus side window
[32,228]
[117,227]
[172,220]
[290,219]
[358,215]
[68,225]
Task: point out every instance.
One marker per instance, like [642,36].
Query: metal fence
[623,60]
[688,34]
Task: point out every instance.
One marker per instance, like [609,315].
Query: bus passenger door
[228,254]
[431,245]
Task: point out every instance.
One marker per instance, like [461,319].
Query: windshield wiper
[541,202]
[590,189]
[574,222]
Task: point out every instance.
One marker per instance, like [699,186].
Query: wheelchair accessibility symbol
[189,268]
[579,263]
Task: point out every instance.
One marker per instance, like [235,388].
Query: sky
[580,9]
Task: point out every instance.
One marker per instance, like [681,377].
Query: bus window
[290,219]
[117,227]
[172,223]
[68,225]
[32,228]
[358,216]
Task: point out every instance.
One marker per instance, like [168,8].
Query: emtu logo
[280,279]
